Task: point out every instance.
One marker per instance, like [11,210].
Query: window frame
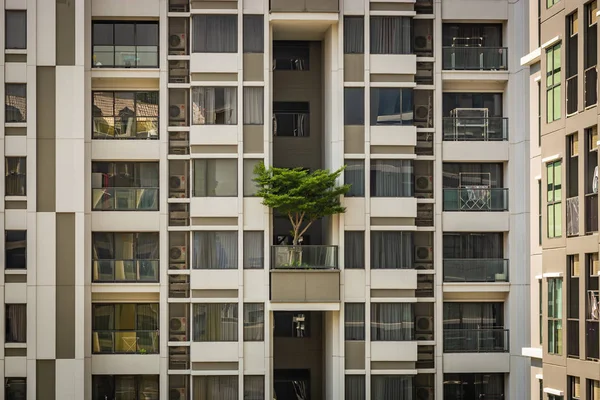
[18,173]
[354,330]
[358,165]
[355,115]
[250,323]
[248,104]
[554,307]
[217,163]
[405,333]
[553,83]
[22,35]
[21,381]
[377,92]
[554,191]
[246,262]
[349,48]
[152,119]
[200,43]
[135,45]
[200,118]
[18,338]
[247,20]
[9,248]
[394,36]
[405,259]
[224,308]
[216,236]
[138,380]
[18,88]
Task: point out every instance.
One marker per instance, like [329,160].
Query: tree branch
[307,226]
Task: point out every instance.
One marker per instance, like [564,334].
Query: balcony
[315,6]
[305,274]
[475,58]
[493,340]
[476,199]
[125,199]
[125,128]
[476,270]
[125,342]
[475,129]
[122,271]
[125,57]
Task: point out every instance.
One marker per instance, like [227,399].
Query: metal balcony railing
[493,340]
[475,129]
[476,270]
[476,198]
[475,58]
[304,257]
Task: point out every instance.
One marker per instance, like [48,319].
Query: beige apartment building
[140,265]
[564,245]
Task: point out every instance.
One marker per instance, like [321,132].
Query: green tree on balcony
[303,196]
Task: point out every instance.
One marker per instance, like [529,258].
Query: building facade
[564,348]
[139,264]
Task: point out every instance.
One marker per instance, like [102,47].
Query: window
[125,186]
[253,106]
[572,184]
[254,322]
[490,101]
[125,257]
[573,388]
[591,180]
[15,107]
[590,54]
[125,115]
[391,35]
[473,386]
[291,119]
[355,387]
[15,388]
[254,249]
[388,387]
[460,175]
[354,106]
[392,322]
[476,245]
[125,44]
[391,250]
[354,316]
[215,322]
[214,33]
[254,387]
[540,311]
[571,63]
[215,250]
[391,106]
[215,177]
[553,96]
[215,387]
[16,176]
[15,246]
[250,187]
[592,340]
[554,199]
[474,328]
[554,396]
[392,178]
[354,250]
[539,98]
[214,105]
[354,35]
[16,323]
[555,316]
[291,324]
[459,34]
[254,34]
[131,387]
[540,230]
[573,306]
[125,328]
[16,29]
[354,175]
[291,55]
[593,389]
[550,3]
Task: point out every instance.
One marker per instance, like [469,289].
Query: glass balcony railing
[493,340]
[125,128]
[125,57]
[475,58]
[125,342]
[475,129]
[476,198]
[476,270]
[125,199]
[125,270]
[304,257]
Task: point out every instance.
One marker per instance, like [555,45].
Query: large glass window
[554,199]
[15,102]
[463,175]
[473,386]
[291,118]
[354,250]
[291,55]
[254,322]
[354,106]
[459,34]
[215,387]
[254,387]
[253,106]
[215,322]
[553,92]
[129,387]
[250,187]
[571,64]
[354,35]
[392,178]
[125,44]
[16,29]
[254,34]
[392,387]
[125,115]
[463,245]
[354,321]
[254,250]
[391,35]
[474,328]
[492,102]
[16,323]
[392,106]
[125,257]
[214,105]
[15,388]
[593,389]
[215,250]
[590,54]
[555,331]
[125,186]
[16,176]
[125,328]
[574,388]
[15,249]
[355,387]
[391,250]
[215,177]
[214,33]
[392,322]
[354,175]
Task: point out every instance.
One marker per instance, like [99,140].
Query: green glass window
[553,70]
[554,199]
[555,316]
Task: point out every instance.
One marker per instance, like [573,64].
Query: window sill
[15,124]
[15,345]
[15,198]
[15,51]
[15,271]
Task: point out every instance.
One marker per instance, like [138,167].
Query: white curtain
[392,178]
[215,387]
[214,105]
[254,257]
[391,250]
[355,387]
[391,387]
[214,34]
[354,315]
[254,34]
[392,322]
[354,35]
[253,105]
[354,175]
[215,322]
[16,323]
[354,250]
[215,250]
[215,178]
[254,322]
[250,187]
[391,35]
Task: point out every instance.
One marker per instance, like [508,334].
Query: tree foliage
[301,195]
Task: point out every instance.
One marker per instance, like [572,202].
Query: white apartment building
[140,265]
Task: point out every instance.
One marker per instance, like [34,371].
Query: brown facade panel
[392,78]
[254,67]
[354,354]
[214,221]
[305,286]
[354,67]
[45,379]
[304,6]
[46,139]
[220,77]
[389,293]
[354,139]
[374,6]
[65,285]
[214,149]
[215,293]
[254,139]
[65,32]
[215,366]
